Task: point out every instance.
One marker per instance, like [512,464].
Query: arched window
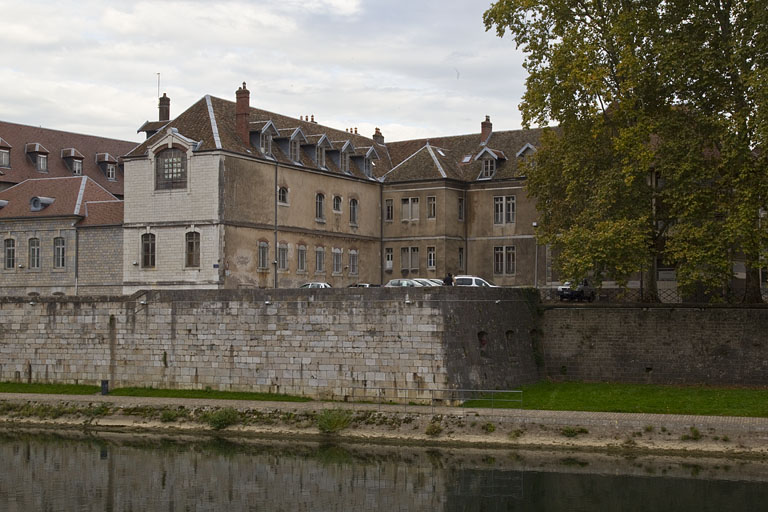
[353,211]
[192,249]
[147,250]
[282,195]
[319,207]
[59,252]
[337,203]
[170,169]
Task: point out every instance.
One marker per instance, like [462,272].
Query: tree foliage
[662,120]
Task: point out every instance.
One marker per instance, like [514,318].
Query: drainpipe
[381,234]
[466,230]
[274,265]
[77,254]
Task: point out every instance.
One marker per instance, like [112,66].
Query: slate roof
[18,136]
[72,197]
[211,123]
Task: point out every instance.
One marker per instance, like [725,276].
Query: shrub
[330,421]
[573,432]
[222,418]
[434,429]
[489,427]
[169,415]
[695,435]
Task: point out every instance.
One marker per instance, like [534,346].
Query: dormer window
[111,171]
[77,167]
[265,143]
[320,157]
[5,158]
[345,162]
[489,167]
[38,154]
[367,166]
[42,163]
[73,159]
[171,170]
[295,150]
[37,203]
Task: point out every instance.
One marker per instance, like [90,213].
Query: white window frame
[431,207]
[262,260]
[338,262]
[295,150]
[320,260]
[489,167]
[77,167]
[431,258]
[320,157]
[389,256]
[409,209]
[353,262]
[282,257]
[367,166]
[344,162]
[282,195]
[33,245]
[265,143]
[41,163]
[9,252]
[504,209]
[5,158]
[111,172]
[301,258]
[60,252]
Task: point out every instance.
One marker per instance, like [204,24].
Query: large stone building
[230,196]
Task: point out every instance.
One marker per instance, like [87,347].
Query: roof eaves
[214,126]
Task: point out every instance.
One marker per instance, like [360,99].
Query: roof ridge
[214,126]
[434,159]
[80,195]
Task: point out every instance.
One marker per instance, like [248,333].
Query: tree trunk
[752,293]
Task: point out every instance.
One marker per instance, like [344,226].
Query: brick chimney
[486,128]
[378,138]
[164,106]
[242,111]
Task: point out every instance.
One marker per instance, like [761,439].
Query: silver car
[395,283]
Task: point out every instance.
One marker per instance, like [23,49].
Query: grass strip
[53,389]
[637,398]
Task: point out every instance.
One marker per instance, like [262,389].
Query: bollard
[105,387]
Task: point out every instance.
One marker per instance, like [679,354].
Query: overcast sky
[414,68]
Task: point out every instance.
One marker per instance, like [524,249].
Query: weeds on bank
[573,431]
[330,421]
[694,435]
[221,418]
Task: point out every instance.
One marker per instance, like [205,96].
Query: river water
[140,473]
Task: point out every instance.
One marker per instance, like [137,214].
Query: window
[319,260]
[301,259]
[345,162]
[409,208]
[367,166]
[353,262]
[461,258]
[337,261]
[192,249]
[320,156]
[337,204]
[34,253]
[409,258]
[504,260]
[295,149]
[461,209]
[282,195]
[10,253]
[111,172]
[430,257]
[59,252]
[42,163]
[170,170]
[265,143]
[388,258]
[263,257]
[489,167]
[389,210]
[5,158]
[77,167]
[319,208]
[353,212]
[282,257]
[504,209]
[431,207]
[147,250]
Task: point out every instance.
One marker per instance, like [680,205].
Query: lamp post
[536,256]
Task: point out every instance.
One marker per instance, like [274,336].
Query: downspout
[77,255]
[274,265]
[381,234]
[466,229]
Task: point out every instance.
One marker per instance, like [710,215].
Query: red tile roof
[18,136]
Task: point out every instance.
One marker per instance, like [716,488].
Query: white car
[315,284]
[472,281]
[396,283]
[425,282]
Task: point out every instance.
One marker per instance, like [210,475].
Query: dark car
[581,291]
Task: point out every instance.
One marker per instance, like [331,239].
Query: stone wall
[320,343]
[656,344]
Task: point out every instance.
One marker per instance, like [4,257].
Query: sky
[418,68]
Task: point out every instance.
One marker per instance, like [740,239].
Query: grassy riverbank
[555,396]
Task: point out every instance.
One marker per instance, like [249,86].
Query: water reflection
[121,473]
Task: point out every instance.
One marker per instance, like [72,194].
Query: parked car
[315,284]
[426,282]
[363,285]
[472,281]
[394,283]
[581,291]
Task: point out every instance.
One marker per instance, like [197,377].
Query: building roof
[21,137]
[211,123]
[75,196]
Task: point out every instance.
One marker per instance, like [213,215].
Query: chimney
[486,128]
[378,138]
[242,111]
[355,130]
[313,118]
[164,107]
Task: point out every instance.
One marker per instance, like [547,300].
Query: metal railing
[634,295]
[407,397]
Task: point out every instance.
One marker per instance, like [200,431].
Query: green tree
[661,114]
